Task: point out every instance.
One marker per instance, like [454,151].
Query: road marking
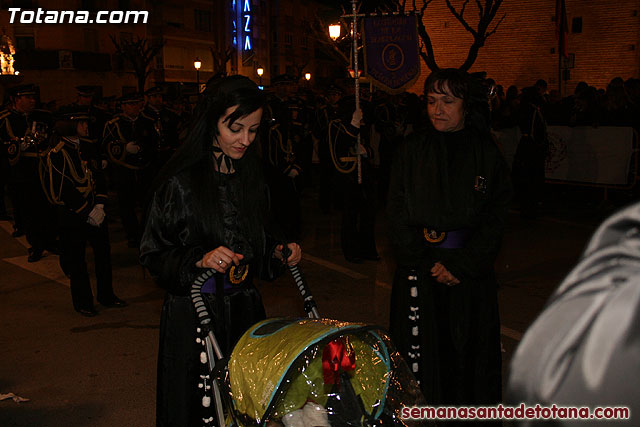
[335,267]
[383,285]
[48,267]
[8,227]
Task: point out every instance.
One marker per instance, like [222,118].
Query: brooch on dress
[481,184]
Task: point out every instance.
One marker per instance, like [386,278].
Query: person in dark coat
[79,190]
[529,159]
[209,210]
[448,199]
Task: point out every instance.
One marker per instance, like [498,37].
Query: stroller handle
[212,348]
[310,306]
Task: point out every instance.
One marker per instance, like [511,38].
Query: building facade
[227,36]
[603,41]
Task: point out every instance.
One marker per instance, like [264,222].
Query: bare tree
[487,11]
[481,33]
[139,54]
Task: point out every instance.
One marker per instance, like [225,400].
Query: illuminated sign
[242,28]
[234,27]
[247,31]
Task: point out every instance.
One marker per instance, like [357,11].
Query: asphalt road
[100,371]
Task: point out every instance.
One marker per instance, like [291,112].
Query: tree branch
[492,32]
[460,18]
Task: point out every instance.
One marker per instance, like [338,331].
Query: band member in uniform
[23,130]
[282,168]
[131,142]
[357,230]
[325,115]
[209,211]
[448,199]
[91,147]
[165,122]
[80,193]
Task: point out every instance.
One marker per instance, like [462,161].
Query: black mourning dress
[171,245]
[458,183]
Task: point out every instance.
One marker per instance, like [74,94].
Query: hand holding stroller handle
[310,306]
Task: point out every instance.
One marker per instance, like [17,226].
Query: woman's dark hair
[195,158]
[472,91]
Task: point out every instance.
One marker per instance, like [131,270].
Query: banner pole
[354,35]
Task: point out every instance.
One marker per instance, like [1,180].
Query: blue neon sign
[247,25]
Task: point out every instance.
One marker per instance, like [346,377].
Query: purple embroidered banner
[391,51]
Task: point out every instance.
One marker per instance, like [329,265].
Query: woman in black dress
[209,211]
[448,199]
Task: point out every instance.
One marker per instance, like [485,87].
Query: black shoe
[114,302]
[17,233]
[35,255]
[87,312]
[373,257]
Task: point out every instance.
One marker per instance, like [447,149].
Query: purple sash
[454,239]
[234,279]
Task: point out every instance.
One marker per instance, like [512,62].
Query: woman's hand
[443,275]
[294,258]
[220,259]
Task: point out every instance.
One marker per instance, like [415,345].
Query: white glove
[356,118]
[132,147]
[103,164]
[96,216]
[24,146]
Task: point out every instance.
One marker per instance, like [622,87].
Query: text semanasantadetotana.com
[522,412]
[42,16]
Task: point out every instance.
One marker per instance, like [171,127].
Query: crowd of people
[308,138]
[191,195]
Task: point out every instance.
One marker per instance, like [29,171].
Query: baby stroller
[303,372]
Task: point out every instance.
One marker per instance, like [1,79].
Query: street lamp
[307,76]
[334,31]
[197,64]
[260,72]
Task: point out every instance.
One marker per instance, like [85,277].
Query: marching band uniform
[359,199]
[23,131]
[91,147]
[282,169]
[165,123]
[325,115]
[131,143]
[79,190]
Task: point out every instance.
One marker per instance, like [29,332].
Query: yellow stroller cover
[345,370]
